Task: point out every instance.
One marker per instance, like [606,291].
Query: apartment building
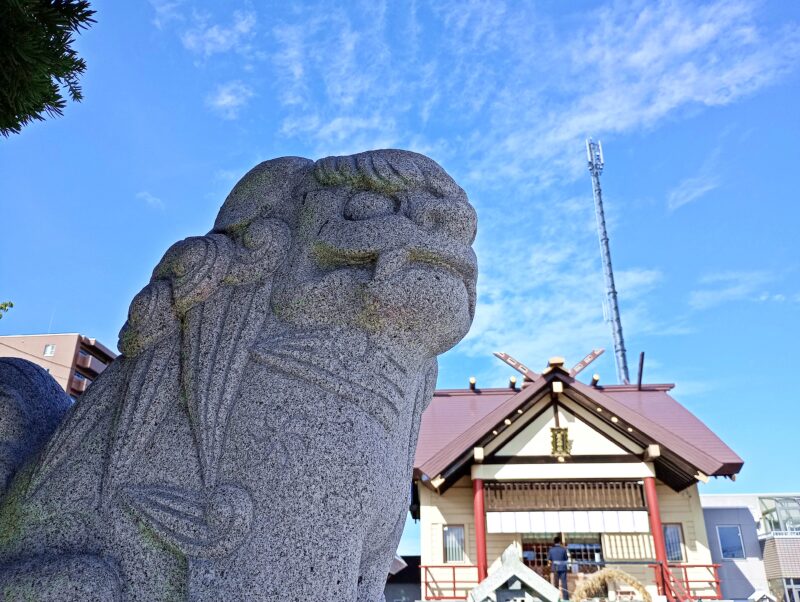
[74,360]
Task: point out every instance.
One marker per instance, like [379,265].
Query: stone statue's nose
[455,218]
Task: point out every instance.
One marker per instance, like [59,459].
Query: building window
[453,536]
[673,539]
[49,350]
[781,514]
[792,593]
[79,376]
[730,541]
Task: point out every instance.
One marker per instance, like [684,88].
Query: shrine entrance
[585,552]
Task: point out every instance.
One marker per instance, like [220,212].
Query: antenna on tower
[594,154]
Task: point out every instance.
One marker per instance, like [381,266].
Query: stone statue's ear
[195,267]
[151,317]
[266,190]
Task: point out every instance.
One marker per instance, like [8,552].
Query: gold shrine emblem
[561,445]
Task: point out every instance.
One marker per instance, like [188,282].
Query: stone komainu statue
[255,439]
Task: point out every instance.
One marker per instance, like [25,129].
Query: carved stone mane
[255,439]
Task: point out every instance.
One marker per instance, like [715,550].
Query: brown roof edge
[476,391]
[467,440]
[728,469]
[644,387]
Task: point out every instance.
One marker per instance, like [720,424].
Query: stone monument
[255,439]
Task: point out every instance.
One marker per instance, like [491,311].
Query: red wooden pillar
[656,528]
[480,527]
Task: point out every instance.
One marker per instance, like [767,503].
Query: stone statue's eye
[369,205]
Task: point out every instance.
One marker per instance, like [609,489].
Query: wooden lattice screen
[573,495]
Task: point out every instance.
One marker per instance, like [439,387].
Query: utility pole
[594,152]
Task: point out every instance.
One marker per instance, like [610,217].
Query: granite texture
[255,439]
[31,406]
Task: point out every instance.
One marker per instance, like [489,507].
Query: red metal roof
[681,425]
[457,419]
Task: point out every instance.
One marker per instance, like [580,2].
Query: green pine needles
[37,61]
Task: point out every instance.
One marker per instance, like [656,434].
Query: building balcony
[793,533]
[79,386]
[90,363]
[98,348]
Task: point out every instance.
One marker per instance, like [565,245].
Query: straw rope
[594,585]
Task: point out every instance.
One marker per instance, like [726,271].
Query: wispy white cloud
[150,200]
[503,94]
[688,388]
[541,291]
[725,287]
[526,89]
[166,11]
[768,297]
[230,98]
[774,297]
[208,39]
[205,38]
[290,62]
[637,280]
[337,79]
[691,189]
[628,68]
[229,176]
[701,183]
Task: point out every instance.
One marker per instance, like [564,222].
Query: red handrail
[454,585]
[681,590]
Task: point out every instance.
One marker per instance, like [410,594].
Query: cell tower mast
[594,152]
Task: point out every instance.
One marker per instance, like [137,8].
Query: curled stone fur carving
[255,439]
[199,525]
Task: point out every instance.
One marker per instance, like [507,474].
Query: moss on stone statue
[328,256]
[423,256]
[174,268]
[14,511]
[172,589]
[370,318]
[360,181]
[19,593]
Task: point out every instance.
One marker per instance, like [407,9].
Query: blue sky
[696,105]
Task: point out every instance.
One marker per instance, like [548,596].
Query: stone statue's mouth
[457,260]
[389,245]
[390,261]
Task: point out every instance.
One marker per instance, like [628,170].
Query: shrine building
[613,469]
